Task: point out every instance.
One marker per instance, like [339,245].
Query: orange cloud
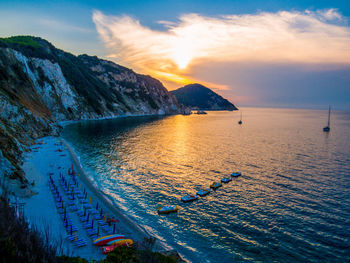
[289,37]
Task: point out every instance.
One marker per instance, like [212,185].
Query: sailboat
[327,128]
[240,121]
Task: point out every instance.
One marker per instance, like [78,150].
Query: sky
[255,53]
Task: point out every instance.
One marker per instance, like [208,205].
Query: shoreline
[101,196]
[63,124]
[40,209]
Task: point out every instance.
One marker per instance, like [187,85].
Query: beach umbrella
[65,214]
[75,235]
[98,231]
[84,211]
[114,229]
[71,230]
[101,212]
[96,206]
[88,217]
[92,224]
[85,195]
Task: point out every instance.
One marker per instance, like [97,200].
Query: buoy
[75,235]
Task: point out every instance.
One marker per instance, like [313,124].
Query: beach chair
[80,243]
[93,211]
[92,232]
[83,201]
[70,228]
[73,208]
[88,225]
[84,218]
[80,213]
[107,229]
[87,206]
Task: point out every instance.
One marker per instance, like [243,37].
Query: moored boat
[203,192]
[226,180]
[189,198]
[167,209]
[106,239]
[215,185]
[236,174]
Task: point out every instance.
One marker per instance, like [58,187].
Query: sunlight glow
[319,37]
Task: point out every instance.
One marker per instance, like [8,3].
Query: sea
[291,204]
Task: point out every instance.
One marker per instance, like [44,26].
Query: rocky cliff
[41,85]
[197,96]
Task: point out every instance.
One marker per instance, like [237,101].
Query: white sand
[41,209]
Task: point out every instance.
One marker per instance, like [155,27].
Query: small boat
[328,128]
[104,240]
[226,180]
[203,192]
[123,242]
[167,209]
[236,174]
[240,121]
[189,198]
[215,185]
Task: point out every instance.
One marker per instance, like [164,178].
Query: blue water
[292,203]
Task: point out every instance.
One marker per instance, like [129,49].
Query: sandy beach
[52,158]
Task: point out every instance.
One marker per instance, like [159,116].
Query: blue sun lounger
[92,231]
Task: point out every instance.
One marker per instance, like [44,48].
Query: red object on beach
[112,220]
[62,155]
[71,171]
[59,150]
[108,249]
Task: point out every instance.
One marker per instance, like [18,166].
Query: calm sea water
[292,203]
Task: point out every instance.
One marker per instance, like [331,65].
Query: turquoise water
[290,205]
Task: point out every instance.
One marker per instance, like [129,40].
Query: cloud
[176,54]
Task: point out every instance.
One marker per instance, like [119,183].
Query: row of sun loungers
[92,219]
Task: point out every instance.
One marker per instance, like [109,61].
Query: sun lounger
[83,201]
[73,208]
[87,206]
[80,213]
[107,229]
[80,243]
[93,211]
[83,218]
[92,231]
[99,217]
[70,202]
[88,225]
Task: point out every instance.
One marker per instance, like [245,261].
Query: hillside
[197,96]
[41,85]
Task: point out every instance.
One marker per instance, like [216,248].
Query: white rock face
[54,73]
[55,91]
